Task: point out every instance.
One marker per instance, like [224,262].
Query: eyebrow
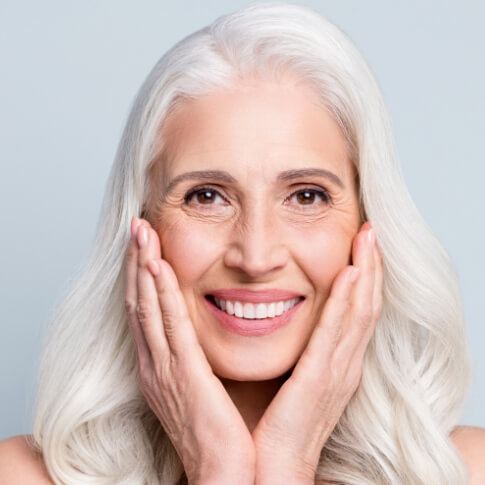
[223,176]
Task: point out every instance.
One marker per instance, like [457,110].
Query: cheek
[188,249]
[325,254]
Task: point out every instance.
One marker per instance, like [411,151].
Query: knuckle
[143,373]
[144,311]
[141,261]
[142,357]
[131,252]
[169,316]
[162,292]
[170,330]
[130,306]
[141,366]
[163,371]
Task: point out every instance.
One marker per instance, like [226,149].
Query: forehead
[251,128]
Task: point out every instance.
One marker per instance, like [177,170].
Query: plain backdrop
[69,72]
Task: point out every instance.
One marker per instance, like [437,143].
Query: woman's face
[252,233]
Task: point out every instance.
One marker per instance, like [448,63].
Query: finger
[180,332]
[378,287]
[327,332]
[377,306]
[148,309]
[172,304]
[341,318]
[363,292]
[131,298]
[360,317]
[154,239]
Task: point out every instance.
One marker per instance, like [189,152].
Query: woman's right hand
[202,422]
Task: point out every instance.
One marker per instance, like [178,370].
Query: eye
[205,195]
[308,196]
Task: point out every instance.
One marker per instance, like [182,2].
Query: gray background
[69,71]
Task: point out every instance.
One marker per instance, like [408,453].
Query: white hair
[91,421]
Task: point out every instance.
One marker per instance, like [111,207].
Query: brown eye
[307,196]
[204,195]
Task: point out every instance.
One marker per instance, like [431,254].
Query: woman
[279,312]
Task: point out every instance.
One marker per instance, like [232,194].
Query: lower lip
[256,326]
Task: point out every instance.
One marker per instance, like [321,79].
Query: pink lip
[252,296]
[257,326]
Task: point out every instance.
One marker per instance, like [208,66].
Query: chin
[261,366]
[252,358]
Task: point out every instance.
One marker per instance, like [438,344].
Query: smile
[246,319]
[251,311]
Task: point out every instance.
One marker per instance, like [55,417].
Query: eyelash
[323,193]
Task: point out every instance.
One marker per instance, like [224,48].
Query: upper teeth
[255,310]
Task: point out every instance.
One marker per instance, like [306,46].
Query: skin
[291,399]
[256,233]
[255,242]
[327,371]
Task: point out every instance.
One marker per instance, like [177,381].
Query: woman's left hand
[294,428]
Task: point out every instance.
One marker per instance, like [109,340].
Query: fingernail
[142,236]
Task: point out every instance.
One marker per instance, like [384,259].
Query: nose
[257,246]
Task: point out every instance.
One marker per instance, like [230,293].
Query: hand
[294,428]
[201,420]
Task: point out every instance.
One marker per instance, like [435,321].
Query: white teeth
[249,310]
[271,309]
[238,309]
[255,310]
[262,310]
[280,307]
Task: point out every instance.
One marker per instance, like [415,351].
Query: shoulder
[19,459]
[470,442]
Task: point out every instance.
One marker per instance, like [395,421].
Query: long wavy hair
[91,422]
